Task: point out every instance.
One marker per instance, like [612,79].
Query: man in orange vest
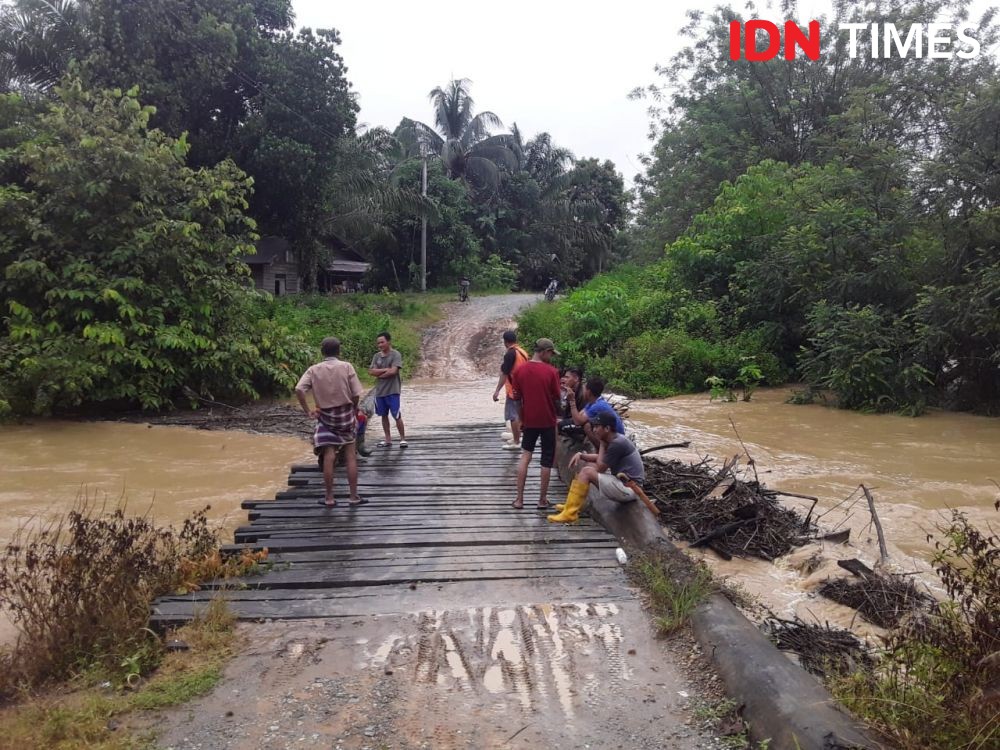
[513,358]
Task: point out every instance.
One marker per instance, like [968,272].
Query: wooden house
[275,268]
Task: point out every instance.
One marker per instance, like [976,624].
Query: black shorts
[530,435]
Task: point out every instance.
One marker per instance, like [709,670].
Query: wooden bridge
[438,531]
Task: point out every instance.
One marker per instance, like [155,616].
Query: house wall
[291,283]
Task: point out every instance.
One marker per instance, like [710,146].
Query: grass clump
[79,590]
[937,683]
[79,717]
[674,588]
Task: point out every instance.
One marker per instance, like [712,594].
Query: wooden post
[878,525]
[423,226]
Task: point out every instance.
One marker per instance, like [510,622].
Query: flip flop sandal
[515,506]
[361,501]
[403,444]
[325,504]
[383,444]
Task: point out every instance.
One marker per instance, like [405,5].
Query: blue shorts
[388,405]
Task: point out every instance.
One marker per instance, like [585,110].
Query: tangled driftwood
[720,510]
[881,598]
[822,649]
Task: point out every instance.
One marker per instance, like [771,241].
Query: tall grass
[674,587]
[937,684]
[79,588]
[357,319]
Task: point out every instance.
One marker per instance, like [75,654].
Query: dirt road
[466,344]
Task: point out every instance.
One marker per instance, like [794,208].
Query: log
[665,446]
[884,553]
[720,532]
[837,537]
[856,567]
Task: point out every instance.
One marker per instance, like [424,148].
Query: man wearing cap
[536,385]
[616,455]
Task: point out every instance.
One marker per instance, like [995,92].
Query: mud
[558,675]
[466,344]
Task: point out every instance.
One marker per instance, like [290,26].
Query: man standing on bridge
[336,392]
[513,358]
[385,368]
[536,384]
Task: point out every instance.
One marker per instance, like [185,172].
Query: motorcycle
[463,294]
[550,291]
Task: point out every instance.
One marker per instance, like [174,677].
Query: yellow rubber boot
[575,501]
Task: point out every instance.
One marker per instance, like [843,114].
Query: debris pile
[729,515]
[260,418]
[822,650]
[882,599]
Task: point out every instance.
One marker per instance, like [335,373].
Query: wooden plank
[348,523]
[497,553]
[439,513]
[355,539]
[313,579]
[301,544]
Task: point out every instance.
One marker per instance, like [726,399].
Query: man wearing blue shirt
[593,403]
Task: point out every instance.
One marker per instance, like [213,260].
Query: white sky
[563,67]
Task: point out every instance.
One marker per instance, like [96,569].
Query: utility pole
[423,223]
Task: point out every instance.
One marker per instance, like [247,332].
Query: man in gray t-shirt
[616,454]
[385,368]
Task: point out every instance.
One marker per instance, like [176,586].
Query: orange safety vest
[520,357]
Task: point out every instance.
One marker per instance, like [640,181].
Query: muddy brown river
[916,468]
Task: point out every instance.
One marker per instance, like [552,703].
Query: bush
[122,283]
[863,355]
[936,685]
[356,319]
[494,273]
[79,590]
[648,338]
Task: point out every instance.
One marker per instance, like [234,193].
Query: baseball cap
[604,418]
[542,344]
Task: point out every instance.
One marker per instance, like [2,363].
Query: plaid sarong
[335,427]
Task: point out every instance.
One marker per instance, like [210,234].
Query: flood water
[916,468]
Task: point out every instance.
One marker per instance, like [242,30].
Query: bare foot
[517,504]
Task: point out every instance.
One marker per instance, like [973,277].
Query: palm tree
[364,194]
[462,140]
[38,38]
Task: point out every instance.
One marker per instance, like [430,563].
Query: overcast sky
[563,67]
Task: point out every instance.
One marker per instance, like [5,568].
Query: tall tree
[121,282]
[461,139]
[232,74]
[713,117]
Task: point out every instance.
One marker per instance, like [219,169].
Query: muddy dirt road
[466,344]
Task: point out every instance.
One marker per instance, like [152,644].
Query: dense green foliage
[836,221]
[356,319]
[125,216]
[121,280]
[647,335]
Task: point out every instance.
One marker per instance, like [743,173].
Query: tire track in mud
[534,655]
[466,344]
